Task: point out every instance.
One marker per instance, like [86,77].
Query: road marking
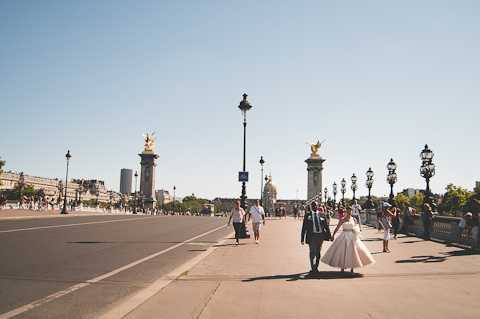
[140,297]
[42,301]
[70,225]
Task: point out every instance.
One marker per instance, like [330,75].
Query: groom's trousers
[315,245]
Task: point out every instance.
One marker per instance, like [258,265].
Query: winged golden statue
[315,147]
[149,139]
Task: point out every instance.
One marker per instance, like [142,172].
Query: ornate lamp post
[343,183]
[174,190]
[391,177]
[135,194]
[64,210]
[354,184]
[244,106]
[262,161]
[334,194]
[427,171]
[369,184]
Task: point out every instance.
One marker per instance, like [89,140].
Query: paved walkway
[419,279]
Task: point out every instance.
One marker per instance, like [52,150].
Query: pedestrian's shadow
[308,276]
[422,259]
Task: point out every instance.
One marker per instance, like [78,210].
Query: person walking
[427,219]
[257,215]
[314,231]
[385,221]
[237,215]
[341,212]
[347,250]
[356,210]
[395,220]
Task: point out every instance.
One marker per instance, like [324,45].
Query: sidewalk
[419,279]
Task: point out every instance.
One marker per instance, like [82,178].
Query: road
[77,267]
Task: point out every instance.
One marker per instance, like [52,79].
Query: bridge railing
[444,228]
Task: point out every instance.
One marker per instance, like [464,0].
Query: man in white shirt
[356,209]
[257,215]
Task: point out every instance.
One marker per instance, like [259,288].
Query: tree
[454,199]
[416,201]
[402,201]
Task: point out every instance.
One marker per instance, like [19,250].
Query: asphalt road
[41,257]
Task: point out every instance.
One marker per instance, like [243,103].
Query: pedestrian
[237,215]
[466,219]
[257,215]
[356,210]
[347,250]
[385,221]
[427,219]
[407,219]
[314,231]
[475,232]
[395,220]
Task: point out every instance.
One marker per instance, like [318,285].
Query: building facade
[126,181]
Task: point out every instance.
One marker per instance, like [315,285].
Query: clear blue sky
[376,79]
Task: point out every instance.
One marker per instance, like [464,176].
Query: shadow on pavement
[308,276]
[137,242]
[462,252]
[372,239]
[422,259]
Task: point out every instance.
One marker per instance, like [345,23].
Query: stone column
[147,178]
[314,181]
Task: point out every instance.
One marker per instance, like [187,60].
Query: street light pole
[334,194]
[64,210]
[369,184]
[343,183]
[427,171]
[391,177]
[244,106]
[262,161]
[174,190]
[354,185]
[135,194]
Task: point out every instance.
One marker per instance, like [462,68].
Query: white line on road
[137,299]
[42,301]
[70,225]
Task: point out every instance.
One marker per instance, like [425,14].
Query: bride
[347,250]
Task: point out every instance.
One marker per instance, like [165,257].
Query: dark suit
[315,239]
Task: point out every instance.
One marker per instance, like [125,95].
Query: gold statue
[315,148]
[149,142]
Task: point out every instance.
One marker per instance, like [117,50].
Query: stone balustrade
[444,228]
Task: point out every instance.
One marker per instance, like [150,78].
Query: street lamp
[262,161]
[427,171]
[325,191]
[369,184]
[391,177]
[64,210]
[174,190]
[334,194]
[343,183]
[135,194]
[244,106]
[354,184]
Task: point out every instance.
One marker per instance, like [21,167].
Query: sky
[375,79]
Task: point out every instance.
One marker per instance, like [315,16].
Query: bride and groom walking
[346,251]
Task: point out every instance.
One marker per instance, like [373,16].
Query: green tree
[473,204]
[416,201]
[402,201]
[454,199]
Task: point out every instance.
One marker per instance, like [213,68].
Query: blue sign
[243,176]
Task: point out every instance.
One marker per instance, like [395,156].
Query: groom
[314,231]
